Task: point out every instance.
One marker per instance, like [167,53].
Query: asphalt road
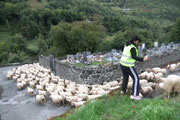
[18,105]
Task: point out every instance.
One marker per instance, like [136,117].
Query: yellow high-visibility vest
[126,59]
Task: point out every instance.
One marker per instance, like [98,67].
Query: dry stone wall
[99,74]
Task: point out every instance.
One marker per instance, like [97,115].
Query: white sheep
[57,99]
[91,97]
[172,67]
[150,76]
[151,84]
[143,81]
[129,86]
[30,91]
[146,91]
[113,83]
[157,76]
[72,98]
[41,99]
[42,92]
[20,86]
[83,96]
[163,71]
[143,75]
[39,87]
[31,84]
[156,69]
[76,104]
[172,84]
[106,87]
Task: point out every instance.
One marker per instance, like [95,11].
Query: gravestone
[113,51]
[156,44]
[109,57]
[70,58]
[143,46]
[163,44]
[84,58]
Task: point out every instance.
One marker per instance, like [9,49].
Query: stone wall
[102,73]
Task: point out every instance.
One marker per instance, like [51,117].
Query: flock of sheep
[160,78]
[43,84]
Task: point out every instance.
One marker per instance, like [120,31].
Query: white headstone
[155,44]
[143,46]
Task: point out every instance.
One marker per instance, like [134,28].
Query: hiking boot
[135,97]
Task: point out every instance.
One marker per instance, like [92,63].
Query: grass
[93,63]
[123,108]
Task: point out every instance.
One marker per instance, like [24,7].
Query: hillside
[105,25]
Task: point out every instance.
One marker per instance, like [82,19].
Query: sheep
[91,97]
[143,75]
[30,91]
[178,65]
[142,81]
[150,76]
[76,104]
[20,86]
[156,69]
[83,96]
[41,99]
[42,92]
[157,76]
[172,67]
[57,99]
[72,98]
[32,84]
[50,88]
[162,79]
[163,71]
[102,92]
[64,94]
[172,84]
[39,87]
[113,83]
[113,88]
[106,87]
[71,90]
[160,87]
[151,84]
[146,91]
[129,86]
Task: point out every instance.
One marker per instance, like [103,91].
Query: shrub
[14,58]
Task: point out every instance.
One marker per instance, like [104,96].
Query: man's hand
[145,58]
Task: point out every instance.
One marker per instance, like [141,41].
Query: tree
[175,33]
[70,38]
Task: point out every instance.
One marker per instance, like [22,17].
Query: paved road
[18,105]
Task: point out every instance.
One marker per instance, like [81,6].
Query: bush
[3,57]
[32,49]
[14,58]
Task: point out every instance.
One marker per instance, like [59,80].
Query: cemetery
[100,67]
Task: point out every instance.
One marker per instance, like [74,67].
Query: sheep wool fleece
[130,71]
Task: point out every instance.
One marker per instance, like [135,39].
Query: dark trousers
[130,71]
